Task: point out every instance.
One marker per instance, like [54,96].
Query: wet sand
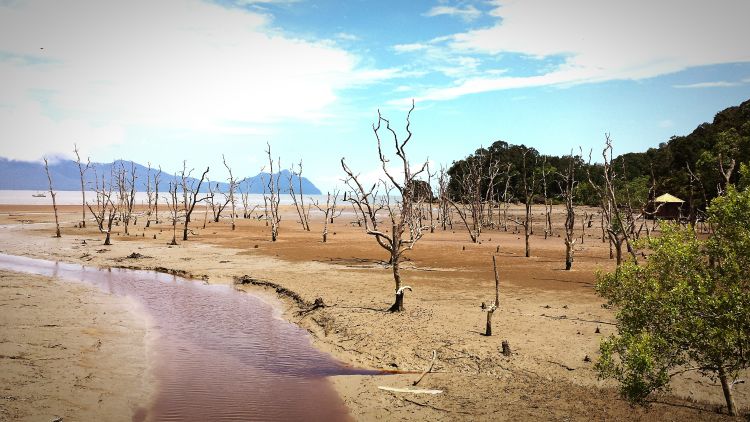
[548,315]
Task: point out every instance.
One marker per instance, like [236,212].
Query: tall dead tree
[126,186]
[107,207]
[53,194]
[274,197]
[506,197]
[152,196]
[529,188]
[82,171]
[406,228]
[233,183]
[329,212]
[304,214]
[443,204]
[568,188]
[190,192]
[547,201]
[174,208]
[493,306]
[615,222]
[469,205]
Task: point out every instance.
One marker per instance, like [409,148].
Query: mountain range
[25,175]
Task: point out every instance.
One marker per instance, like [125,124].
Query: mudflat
[69,351]
[551,318]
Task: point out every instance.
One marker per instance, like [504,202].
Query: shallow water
[218,354]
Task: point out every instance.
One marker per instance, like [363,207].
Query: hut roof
[667,198]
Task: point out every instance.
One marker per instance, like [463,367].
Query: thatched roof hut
[666,207]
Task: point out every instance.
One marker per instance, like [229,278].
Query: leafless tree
[304,213]
[568,187]
[547,202]
[615,222]
[152,195]
[126,186]
[274,197]
[217,205]
[469,205]
[107,207]
[174,207]
[82,171]
[493,306]
[443,204]
[406,229]
[233,184]
[506,197]
[53,194]
[493,171]
[330,212]
[529,188]
[190,192]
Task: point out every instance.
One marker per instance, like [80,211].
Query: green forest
[695,168]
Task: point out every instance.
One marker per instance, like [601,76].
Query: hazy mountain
[24,175]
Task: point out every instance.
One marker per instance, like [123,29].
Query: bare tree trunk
[727,388]
[54,202]
[82,171]
[496,304]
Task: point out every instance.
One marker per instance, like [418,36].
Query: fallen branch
[409,390]
[428,370]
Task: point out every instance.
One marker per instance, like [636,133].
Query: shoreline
[540,380]
[62,339]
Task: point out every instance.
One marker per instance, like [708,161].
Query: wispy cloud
[599,41]
[468,13]
[713,84]
[190,65]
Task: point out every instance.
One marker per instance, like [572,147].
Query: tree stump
[506,348]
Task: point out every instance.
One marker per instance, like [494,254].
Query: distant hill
[24,175]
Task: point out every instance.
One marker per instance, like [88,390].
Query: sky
[172,80]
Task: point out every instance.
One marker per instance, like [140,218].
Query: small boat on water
[39,195]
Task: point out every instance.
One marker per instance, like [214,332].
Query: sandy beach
[551,318]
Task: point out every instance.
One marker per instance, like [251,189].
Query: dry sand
[548,315]
[69,351]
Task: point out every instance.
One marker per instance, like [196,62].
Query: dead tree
[529,188]
[233,183]
[493,171]
[217,207]
[506,198]
[614,221]
[469,205]
[304,214]
[547,202]
[126,187]
[152,196]
[82,171]
[106,207]
[443,204]
[568,189]
[329,212]
[274,197]
[493,307]
[53,194]
[405,229]
[190,192]
[174,208]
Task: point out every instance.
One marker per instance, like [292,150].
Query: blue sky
[189,79]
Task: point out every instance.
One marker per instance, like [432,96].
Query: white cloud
[604,40]
[714,84]
[409,48]
[468,13]
[94,69]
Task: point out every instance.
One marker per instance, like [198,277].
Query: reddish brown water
[219,354]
